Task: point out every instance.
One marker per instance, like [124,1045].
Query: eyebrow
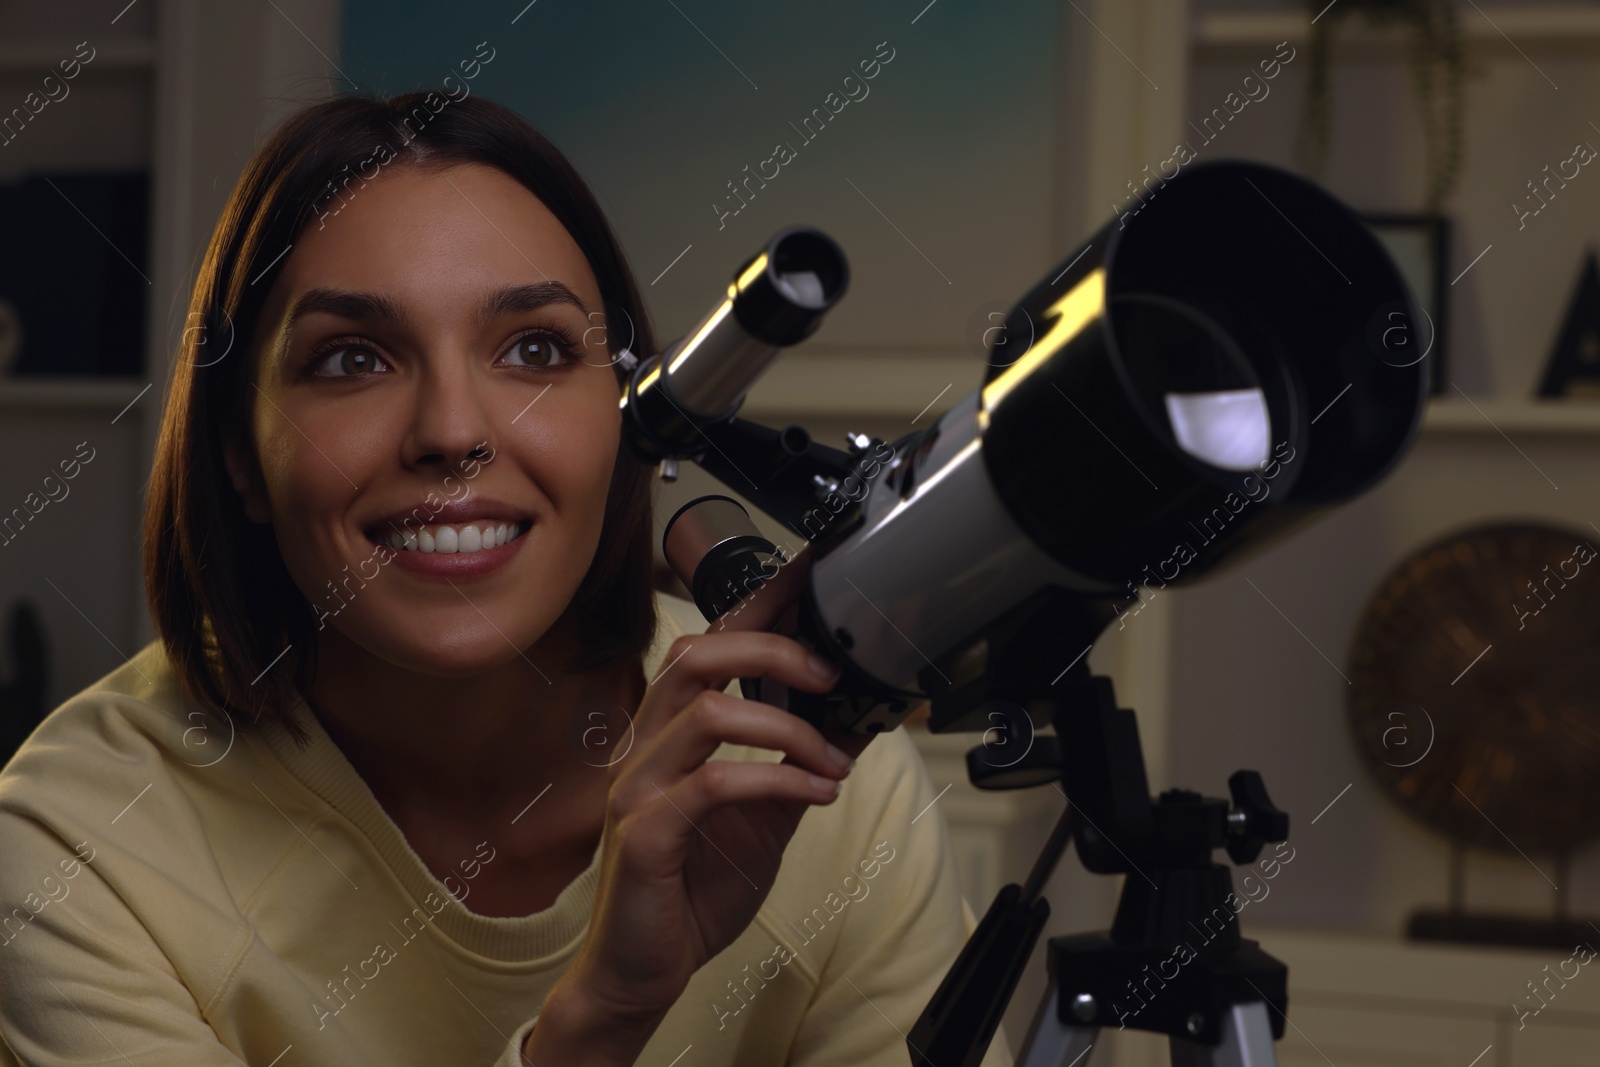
[514,298]
[372,307]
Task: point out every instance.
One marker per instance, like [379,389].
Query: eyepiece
[782,291]
[720,554]
[775,300]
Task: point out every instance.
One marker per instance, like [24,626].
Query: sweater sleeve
[884,971]
[512,1055]
[81,980]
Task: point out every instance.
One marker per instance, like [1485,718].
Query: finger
[695,663]
[713,719]
[721,782]
[849,742]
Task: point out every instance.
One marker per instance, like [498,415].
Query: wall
[936,181]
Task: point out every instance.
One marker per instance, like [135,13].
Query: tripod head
[1174,896]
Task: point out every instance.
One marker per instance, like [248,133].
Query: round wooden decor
[1475,686]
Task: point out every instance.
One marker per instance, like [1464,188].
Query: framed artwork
[1420,247]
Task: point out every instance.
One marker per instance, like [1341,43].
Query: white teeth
[466,537]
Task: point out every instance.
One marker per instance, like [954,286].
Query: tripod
[1174,961]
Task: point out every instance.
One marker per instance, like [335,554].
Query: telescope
[1189,387]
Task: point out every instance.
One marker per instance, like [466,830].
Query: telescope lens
[1234,317]
[803,287]
[809,269]
[1229,429]
[1193,381]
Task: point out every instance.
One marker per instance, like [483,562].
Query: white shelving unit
[1366,998]
[78,559]
[154,96]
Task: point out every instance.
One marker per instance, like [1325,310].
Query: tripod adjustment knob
[992,769]
[1012,756]
[1254,820]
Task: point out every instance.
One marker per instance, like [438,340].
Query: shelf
[45,57]
[34,395]
[837,383]
[1565,418]
[1523,25]
[843,384]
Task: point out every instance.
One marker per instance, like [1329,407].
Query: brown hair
[221,598]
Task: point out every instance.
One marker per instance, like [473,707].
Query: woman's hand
[693,845]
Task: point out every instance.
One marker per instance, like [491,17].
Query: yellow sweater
[171,897]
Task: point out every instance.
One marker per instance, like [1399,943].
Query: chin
[449,644]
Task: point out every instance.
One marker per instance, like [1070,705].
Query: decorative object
[1574,367]
[1420,247]
[1473,682]
[1438,67]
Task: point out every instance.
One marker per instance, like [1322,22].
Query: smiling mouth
[460,538]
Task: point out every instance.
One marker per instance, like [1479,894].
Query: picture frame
[1420,247]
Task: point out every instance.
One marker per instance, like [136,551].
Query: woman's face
[440,317]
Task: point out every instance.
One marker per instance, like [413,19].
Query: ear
[240,473]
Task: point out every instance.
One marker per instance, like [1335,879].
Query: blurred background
[992,141]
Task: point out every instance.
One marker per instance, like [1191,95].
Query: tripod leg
[1052,1043]
[1246,1042]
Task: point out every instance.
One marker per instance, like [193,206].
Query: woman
[415,773]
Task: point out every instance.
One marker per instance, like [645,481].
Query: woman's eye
[346,361]
[536,350]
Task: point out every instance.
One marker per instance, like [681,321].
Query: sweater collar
[321,767]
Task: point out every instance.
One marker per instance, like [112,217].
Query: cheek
[312,463]
[571,455]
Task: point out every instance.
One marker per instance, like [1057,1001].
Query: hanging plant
[1438,68]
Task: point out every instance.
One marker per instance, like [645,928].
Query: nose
[450,420]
